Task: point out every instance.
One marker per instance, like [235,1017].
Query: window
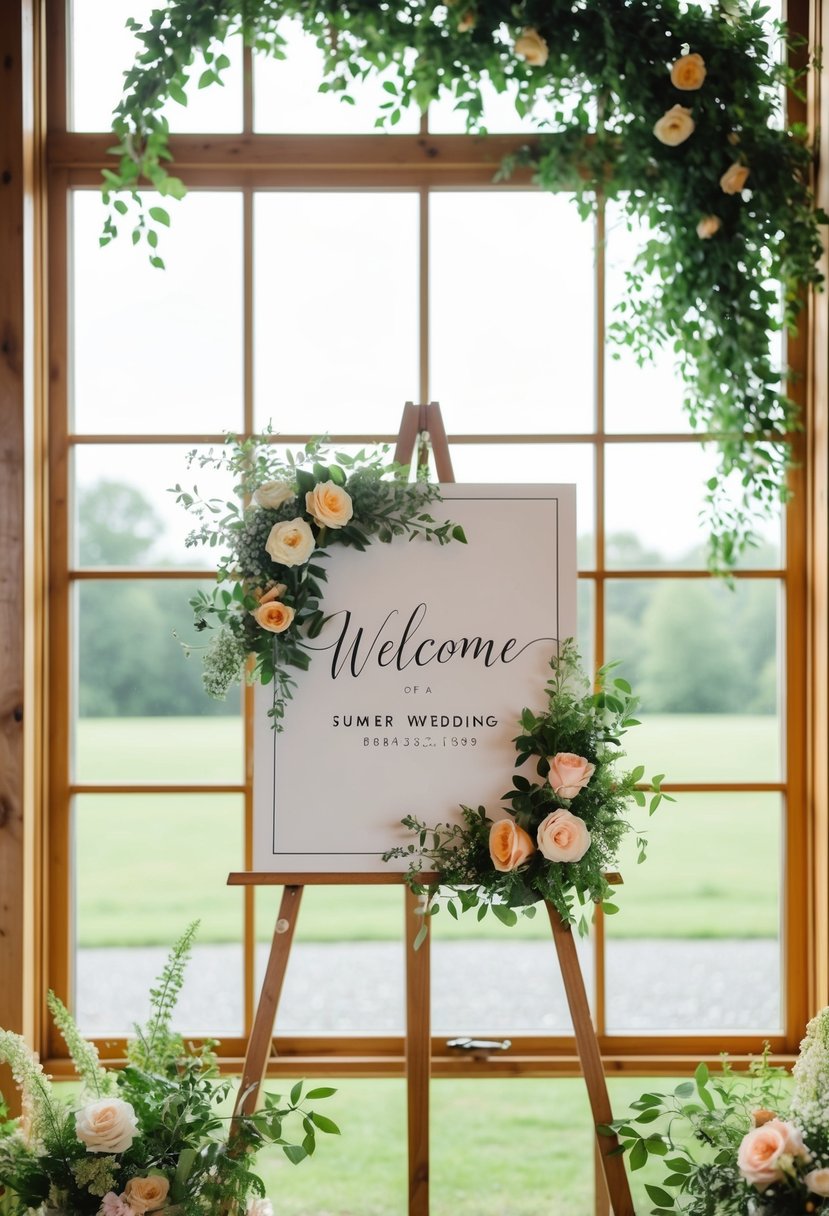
[350,280]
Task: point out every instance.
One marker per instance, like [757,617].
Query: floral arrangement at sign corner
[267,602]
[740,1144]
[561,833]
[151,1138]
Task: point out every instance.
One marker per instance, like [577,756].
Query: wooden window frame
[424,163]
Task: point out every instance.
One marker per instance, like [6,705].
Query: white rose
[531,47]
[106,1126]
[273,494]
[675,126]
[290,543]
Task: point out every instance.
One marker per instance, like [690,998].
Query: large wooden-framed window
[415,277]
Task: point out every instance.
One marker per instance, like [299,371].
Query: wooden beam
[18,216]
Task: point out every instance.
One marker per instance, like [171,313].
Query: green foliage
[381,505]
[578,724]
[173,1097]
[710,301]
[697,1129]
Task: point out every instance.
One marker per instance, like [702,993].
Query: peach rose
[762,1116]
[260,1207]
[818,1181]
[509,845]
[146,1194]
[467,22]
[273,494]
[531,47]
[329,505]
[106,1126]
[708,226]
[562,836]
[274,593]
[274,616]
[290,543]
[734,178]
[688,72]
[569,774]
[675,126]
[761,1151]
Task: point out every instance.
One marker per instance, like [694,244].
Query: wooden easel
[419,421]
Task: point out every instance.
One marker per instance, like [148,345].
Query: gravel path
[499,988]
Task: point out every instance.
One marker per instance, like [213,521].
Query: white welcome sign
[418,678]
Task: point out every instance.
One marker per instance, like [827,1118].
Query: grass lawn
[712,871]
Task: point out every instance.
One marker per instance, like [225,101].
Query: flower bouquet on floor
[740,1144]
[560,833]
[151,1138]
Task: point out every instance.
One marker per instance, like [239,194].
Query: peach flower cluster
[141,1195]
[767,1152]
[561,836]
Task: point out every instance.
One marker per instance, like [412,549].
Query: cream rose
[708,226]
[146,1194]
[274,616]
[290,543]
[106,1126]
[329,505]
[273,494]
[467,22]
[509,845]
[260,1207]
[688,72]
[569,774]
[562,836]
[761,1150]
[675,126]
[734,178]
[818,1181]
[531,47]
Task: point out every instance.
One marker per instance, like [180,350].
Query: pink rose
[761,1150]
[114,1205]
[562,836]
[509,845]
[569,774]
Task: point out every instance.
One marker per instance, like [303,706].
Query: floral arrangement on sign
[674,110]
[148,1139]
[758,1147]
[562,832]
[268,593]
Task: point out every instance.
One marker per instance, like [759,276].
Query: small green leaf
[160,216]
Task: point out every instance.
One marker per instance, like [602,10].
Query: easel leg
[618,1187]
[418,1059]
[261,1035]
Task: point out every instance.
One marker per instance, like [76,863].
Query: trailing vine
[692,142]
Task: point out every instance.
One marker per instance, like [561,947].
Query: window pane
[103,49]
[361,1172]
[705,661]
[141,713]
[287,98]
[640,477]
[124,513]
[189,316]
[145,867]
[470,961]
[696,943]
[342,931]
[524,462]
[336,308]
[512,335]
[499,115]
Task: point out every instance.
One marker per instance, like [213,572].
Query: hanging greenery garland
[674,111]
